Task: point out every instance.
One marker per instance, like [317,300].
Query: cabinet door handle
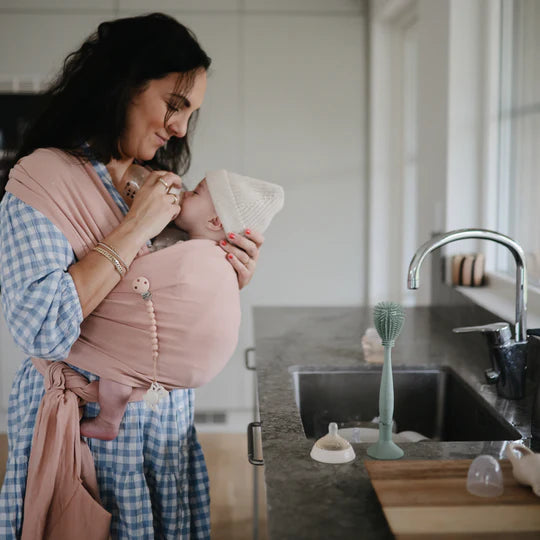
[247,353]
[251,458]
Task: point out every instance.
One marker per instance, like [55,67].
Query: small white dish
[371,435]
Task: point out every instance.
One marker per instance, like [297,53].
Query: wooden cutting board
[429,499]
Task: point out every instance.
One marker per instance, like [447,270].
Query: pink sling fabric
[61,500]
[196,300]
[197,307]
[194,289]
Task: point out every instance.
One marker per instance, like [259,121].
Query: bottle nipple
[332,448]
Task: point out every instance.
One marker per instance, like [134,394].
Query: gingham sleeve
[40,302]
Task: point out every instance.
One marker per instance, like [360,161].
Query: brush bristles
[388,318]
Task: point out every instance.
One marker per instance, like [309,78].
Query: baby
[220,204]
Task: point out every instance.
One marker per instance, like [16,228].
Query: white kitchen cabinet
[181,6]
[58,5]
[302,6]
[36,44]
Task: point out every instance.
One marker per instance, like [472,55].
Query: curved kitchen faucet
[508,355]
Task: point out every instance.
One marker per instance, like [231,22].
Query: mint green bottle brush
[388,318]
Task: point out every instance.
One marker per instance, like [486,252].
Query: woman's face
[145,131]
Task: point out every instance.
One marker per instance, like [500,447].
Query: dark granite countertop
[311,500]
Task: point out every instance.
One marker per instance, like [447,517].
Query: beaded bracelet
[116,263]
[156,392]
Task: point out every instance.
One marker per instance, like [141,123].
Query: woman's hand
[242,253]
[153,206]
[152,209]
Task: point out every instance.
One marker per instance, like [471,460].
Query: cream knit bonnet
[242,202]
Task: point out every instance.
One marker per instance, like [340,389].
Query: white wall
[452,69]
[433,87]
[285,102]
[453,77]
[295,116]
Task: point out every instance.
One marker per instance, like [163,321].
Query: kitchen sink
[437,403]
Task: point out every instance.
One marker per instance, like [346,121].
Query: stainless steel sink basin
[437,403]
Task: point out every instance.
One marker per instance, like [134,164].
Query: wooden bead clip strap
[112,255]
[156,392]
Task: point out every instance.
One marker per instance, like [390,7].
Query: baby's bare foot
[99,428]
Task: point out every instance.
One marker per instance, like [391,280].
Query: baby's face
[197,209]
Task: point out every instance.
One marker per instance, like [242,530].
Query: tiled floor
[231,485]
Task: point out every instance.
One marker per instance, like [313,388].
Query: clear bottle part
[484,478]
[134,178]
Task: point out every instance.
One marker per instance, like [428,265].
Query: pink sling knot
[60,376]
[54,378]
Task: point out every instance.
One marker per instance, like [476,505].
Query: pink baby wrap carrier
[197,308]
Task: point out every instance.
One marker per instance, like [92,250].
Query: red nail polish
[232,236]
[223,242]
[229,256]
[248,231]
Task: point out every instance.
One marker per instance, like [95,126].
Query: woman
[131,92]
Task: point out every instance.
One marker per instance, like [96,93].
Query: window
[519,133]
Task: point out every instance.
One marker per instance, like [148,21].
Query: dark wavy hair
[89,98]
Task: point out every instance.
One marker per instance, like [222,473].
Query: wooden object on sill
[428,499]
[468,270]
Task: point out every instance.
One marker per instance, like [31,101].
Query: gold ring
[175,198]
[164,183]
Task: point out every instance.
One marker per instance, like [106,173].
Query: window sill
[499,298]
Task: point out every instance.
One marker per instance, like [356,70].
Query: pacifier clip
[156,392]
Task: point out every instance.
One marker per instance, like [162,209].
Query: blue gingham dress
[152,477]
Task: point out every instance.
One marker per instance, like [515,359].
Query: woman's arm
[152,209]
[40,302]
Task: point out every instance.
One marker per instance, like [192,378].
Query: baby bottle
[134,178]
